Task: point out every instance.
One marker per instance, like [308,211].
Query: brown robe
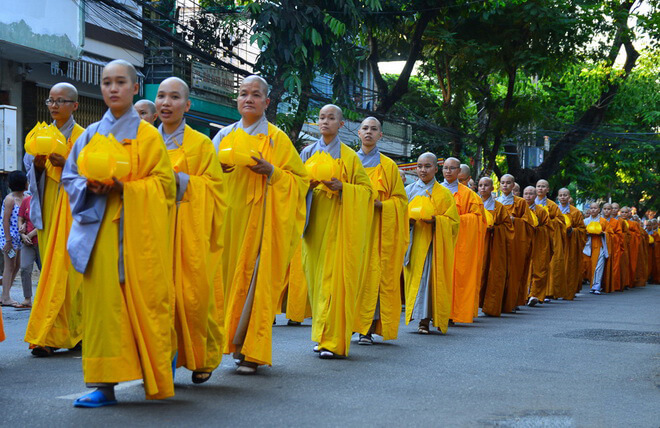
[541,254]
[497,251]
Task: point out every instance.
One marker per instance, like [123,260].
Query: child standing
[10,238]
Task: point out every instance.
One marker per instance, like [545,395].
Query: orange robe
[557,272]
[541,254]
[635,238]
[575,241]
[468,255]
[596,248]
[642,256]
[520,259]
[656,257]
[498,246]
[613,276]
[625,255]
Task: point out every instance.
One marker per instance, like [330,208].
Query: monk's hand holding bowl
[262,167]
[57,160]
[334,184]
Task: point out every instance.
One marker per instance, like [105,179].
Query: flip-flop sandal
[201,377]
[12,304]
[94,399]
[423,330]
[21,306]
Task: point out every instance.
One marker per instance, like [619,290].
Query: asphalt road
[593,362]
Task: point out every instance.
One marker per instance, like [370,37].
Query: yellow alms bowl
[594,228]
[420,208]
[567,219]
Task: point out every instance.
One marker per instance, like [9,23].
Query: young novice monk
[497,252]
[335,238]
[120,242]
[198,232]
[55,321]
[379,298]
[596,249]
[520,258]
[264,220]
[429,262]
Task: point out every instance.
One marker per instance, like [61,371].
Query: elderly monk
[516,190]
[379,297]
[335,239]
[120,242]
[464,174]
[56,318]
[146,109]
[498,249]
[557,273]
[263,223]
[596,249]
[615,238]
[429,261]
[520,257]
[541,248]
[198,286]
[576,237]
[469,252]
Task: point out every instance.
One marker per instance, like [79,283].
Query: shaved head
[260,80]
[130,69]
[431,157]
[184,90]
[607,205]
[465,169]
[146,104]
[372,119]
[595,205]
[67,88]
[337,110]
[509,177]
[453,161]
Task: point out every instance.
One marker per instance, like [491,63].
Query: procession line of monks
[193,254]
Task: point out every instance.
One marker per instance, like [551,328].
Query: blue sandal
[94,399]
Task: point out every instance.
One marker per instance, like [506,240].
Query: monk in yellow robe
[469,252]
[120,242]
[576,238]
[198,234]
[497,251]
[596,248]
[520,257]
[56,319]
[429,261]
[44,172]
[541,248]
[379,296]
[263,224]
[335,240]
[557,225]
